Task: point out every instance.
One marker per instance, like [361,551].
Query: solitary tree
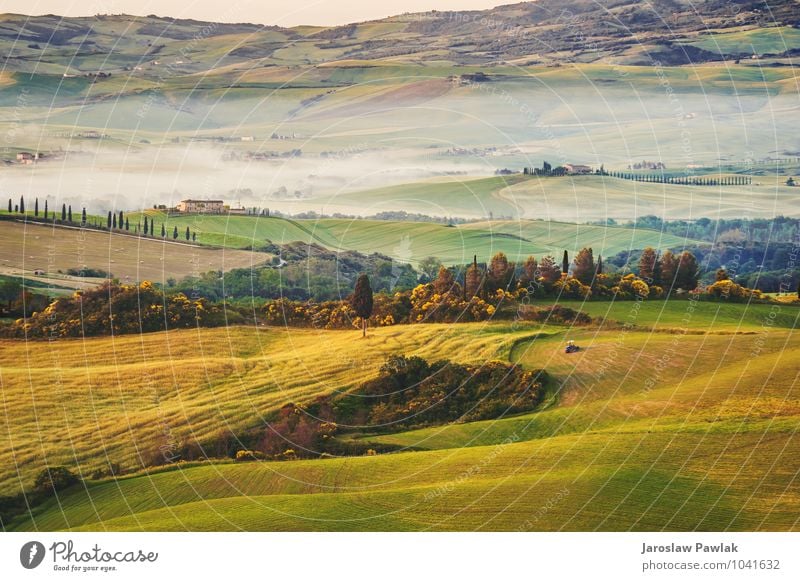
[362,301]
[565,264]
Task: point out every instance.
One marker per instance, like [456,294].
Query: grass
[413,241]
[30,247]
[646,430]
[775,40]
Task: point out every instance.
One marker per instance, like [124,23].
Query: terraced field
[652,426]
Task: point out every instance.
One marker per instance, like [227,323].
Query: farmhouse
[201,206]
[27,158]
[574,168]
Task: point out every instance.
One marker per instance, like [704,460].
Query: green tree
[52,480]
[585,268]
[9,292]
[473,279]
[175,233]
[83,216]
[108,220]
[565,263]
[647,265]
[114,221]
[69,213]
[46,213]
[362,301]
[549,271]
[21,205]
[163,230]
[145,226]
[529,272]
[127,224]
[445,282]
[63,212]
[500,272]
[188,234]
[669,270]
[688,271]
[429,267]
[36,207]
[9,205]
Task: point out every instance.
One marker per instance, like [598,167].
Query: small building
[574,168]
[200,206]
[27,158]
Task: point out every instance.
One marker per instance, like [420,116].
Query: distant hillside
[619,31]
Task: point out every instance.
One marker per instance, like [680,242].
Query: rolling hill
[650,428]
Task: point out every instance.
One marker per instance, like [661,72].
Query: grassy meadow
[412,241]
[685,419]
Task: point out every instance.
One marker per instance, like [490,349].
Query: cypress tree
[127,225]
[69,213]
[194,236]
[121,221]
[63,212]
[163,231]
[188,235]
[36,207]
[362,301]
[83,217]
[114,221]
[152,227]
[175,233]
[45,210]
[108,220]
[565,264]
[21,205]
[9,205]
[145,226]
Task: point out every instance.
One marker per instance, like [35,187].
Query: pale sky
[277,12]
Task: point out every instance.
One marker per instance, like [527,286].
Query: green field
[412,241]
[30,248]
[647,428]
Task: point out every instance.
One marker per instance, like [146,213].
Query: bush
[556,314]
[249,456]
[52,480]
